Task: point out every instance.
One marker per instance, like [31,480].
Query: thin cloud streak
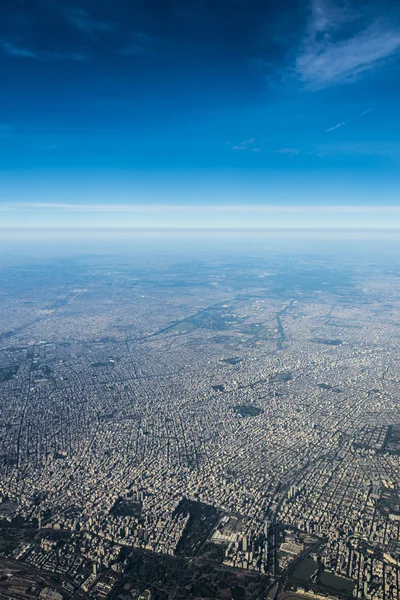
[365,112]
[246,145]
[288,151]
[81,20]
[336,126]
[18,51]
[22,52]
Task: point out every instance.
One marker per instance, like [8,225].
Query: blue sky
[236,113]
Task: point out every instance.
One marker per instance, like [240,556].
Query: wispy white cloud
[73,56]
[365,112]
[246,145]
[82,20]
[341,44]
[336,126]
[21,51]
[288,151]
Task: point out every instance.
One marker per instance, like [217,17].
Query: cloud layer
[50,216]
[207,208]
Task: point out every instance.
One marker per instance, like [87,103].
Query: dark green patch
[125,507]
[8,373]
[305,569]
[336,582]
[110,362]
[326,386]
[203,518]
[247,410]
[218,388]
[232,361]
[327,342]
[238,593]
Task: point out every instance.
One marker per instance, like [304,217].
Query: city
[225,420]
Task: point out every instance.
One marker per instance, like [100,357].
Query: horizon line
[183,228]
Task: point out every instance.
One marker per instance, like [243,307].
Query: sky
[199,113]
